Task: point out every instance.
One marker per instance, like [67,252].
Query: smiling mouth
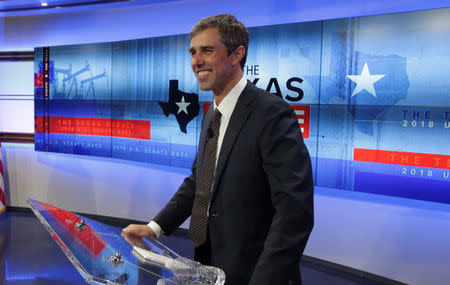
[202,74]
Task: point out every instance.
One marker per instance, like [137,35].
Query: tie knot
[216,121]
[217,115]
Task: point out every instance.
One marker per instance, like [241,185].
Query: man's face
[210,61]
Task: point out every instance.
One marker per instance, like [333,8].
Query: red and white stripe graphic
[2,184]
[303,112]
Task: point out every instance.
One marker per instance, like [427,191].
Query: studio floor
[29,256]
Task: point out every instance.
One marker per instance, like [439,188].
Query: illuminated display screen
[371,94]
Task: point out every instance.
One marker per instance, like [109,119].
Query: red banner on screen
[133,129]
[402,158]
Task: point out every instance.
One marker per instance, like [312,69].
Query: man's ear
[238,54]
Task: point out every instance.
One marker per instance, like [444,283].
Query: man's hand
[134,234]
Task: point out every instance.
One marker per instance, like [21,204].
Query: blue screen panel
[371,95]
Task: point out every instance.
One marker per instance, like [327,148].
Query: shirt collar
[228,103]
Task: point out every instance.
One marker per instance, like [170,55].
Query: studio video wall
[371,94]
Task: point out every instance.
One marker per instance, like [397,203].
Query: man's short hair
[232,32]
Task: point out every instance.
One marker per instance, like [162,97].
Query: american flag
[2,184]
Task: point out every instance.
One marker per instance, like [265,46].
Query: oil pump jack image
[78,85]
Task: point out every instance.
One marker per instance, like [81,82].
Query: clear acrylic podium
[102,256]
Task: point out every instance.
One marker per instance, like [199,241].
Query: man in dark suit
[250,194]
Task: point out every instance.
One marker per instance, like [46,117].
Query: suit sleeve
[179,208]
[287,165]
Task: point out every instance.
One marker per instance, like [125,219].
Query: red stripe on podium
[56,237]
[94,243]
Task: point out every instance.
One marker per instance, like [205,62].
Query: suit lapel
[237,121]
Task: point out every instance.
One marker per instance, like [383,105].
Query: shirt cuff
[156,228]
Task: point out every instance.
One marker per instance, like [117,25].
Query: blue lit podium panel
[102,256]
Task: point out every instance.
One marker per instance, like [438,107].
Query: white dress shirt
[226,108]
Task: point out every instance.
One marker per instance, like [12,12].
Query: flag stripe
[2,198]
[2,184]
[1,160]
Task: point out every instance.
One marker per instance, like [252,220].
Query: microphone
[210,133]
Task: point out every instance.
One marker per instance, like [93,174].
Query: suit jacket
[261,211]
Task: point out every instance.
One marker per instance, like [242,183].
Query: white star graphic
[182,106]
[365,81]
